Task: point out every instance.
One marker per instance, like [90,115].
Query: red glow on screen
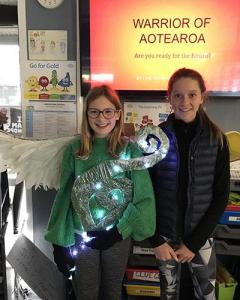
[137,45]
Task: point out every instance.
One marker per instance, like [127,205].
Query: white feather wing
[37,162]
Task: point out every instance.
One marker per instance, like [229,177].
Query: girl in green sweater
[110,213]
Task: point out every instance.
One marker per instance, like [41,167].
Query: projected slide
[138,44]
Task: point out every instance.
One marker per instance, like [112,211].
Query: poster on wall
[50,80]
[144,113]
[14,119]
[49,99]
[44,119]
[47,44]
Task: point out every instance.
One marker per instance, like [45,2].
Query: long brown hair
[115,137]
[215,131]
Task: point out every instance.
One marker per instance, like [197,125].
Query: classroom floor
[16,287]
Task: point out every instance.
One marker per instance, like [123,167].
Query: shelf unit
[227,233]
[4,209]
[141,275]
[227,243]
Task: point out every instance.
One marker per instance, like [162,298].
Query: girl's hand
[184,254]
[63,259]
[104,239]
[165,252]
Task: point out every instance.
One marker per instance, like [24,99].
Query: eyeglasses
[108,113]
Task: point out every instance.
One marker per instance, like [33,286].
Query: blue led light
[98,185]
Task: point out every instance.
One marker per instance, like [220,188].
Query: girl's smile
[185,98]
[100,125]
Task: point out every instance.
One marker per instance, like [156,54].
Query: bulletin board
[48,69]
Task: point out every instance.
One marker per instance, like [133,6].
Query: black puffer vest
[201,166]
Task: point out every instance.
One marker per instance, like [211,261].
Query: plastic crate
[151,275]
[225,291]
[233,207]
[143,244]
[230,217]
[225,284]
[142,289]
[223,248]
[138,260]
[227,231]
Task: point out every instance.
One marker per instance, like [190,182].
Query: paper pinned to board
[37,270]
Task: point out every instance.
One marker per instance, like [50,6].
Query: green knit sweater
[138,219]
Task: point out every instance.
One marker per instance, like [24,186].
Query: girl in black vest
[191,188]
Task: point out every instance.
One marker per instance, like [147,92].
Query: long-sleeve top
[137,220]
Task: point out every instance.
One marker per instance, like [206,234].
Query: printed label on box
[234,219]
[146,275]
[140,250]
[136,290]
